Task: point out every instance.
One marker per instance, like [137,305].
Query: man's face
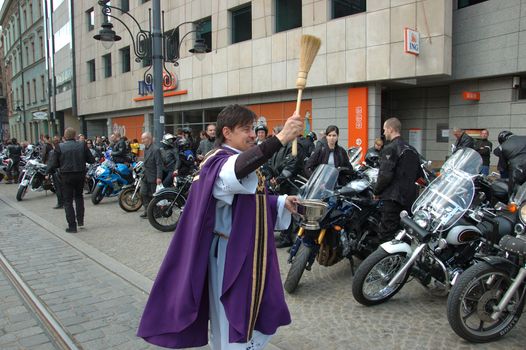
[457,133]
[146,140]
[241,137]
[378,146]
[388,132]
[211,131]
[261,135]
[82,138]
[484,134]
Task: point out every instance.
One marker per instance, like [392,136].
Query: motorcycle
[5,166]
[488,298]
[166,206]
[90,180]
[33,176]
[334,224]
[130,199]
[111,178]
[445,232]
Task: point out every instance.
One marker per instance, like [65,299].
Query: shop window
[91,70]
[288,14]
[171,38]
[106,59]
[206,31]
[522,88]
[241,24]
[342,8]
[90,19]
[466,3]
[125,59]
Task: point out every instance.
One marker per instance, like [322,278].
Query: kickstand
[351,261]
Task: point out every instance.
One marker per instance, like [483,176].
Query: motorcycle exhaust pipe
[509,294]
[406,267]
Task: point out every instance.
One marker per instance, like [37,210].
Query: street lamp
[158,56]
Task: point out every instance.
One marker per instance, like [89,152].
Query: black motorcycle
[488,298]
[166,206]
[438,242]
[334,224]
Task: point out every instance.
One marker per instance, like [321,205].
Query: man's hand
[159,181]
[292,129]
[291,203]
[200,157]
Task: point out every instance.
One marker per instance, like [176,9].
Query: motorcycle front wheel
[370,283]
[473,298]
[97,194]
[297,266]
[22,190]
[164,211]
[127,203]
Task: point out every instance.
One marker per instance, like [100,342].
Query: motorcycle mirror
[500,206]
[404,213]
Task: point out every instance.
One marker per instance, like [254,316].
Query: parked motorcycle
[111,178]
[166,206]
[334,224]
[90,180]
[5,165]
[33,176]
[487,300]
[445,234]
[130,199]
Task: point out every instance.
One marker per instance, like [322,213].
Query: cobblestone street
[96,282]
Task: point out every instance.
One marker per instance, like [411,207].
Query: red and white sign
[411,41]
[471,96]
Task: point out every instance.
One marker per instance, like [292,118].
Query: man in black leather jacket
[512,152]
[463,140]
[71,157]
[399,169]
[14,152]
[119,152]
[170,158]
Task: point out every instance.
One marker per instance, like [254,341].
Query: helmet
[261,127]
[168,139]
[187,130]
[504,136]
[312,135]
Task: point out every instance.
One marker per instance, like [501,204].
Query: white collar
[230,147]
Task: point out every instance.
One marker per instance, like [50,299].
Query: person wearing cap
[261,133]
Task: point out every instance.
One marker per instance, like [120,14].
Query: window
[106,59]
[90,19]
[41,41]
[144,1]
[27,55]
[31,12]
[288,14]
[91,70]
[34,91]
[172,44]
[125,59]
[241,24]
[146,46]
[342,8]
[43,82]
[466,3]
[125,5]
[62,37]
[28,100]
[33,51]
[25,19]
[206,31]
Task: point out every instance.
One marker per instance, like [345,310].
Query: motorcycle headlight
[421,218]
[99,172]
[522,213]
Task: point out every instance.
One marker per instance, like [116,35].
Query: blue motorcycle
[111,178]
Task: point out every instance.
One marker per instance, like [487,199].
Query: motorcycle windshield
[321,184]
[520,195]
[465,159]
[446,199]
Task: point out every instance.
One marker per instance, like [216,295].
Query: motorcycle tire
[458,304]
[296,268]
[127,203]
[22,190]
[363,274]
[158,212]
[97,195]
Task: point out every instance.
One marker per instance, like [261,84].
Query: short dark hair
[230,117]
[332,128]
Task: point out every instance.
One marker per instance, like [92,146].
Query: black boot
[284,240]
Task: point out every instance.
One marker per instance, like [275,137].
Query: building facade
[24,54]
[4,121]
[435,64]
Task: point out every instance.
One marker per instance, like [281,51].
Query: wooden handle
[295,141]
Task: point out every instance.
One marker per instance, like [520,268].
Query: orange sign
[357,118]
[471,96]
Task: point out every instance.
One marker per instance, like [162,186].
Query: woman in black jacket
[328,152]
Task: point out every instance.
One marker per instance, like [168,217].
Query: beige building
[362,74]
